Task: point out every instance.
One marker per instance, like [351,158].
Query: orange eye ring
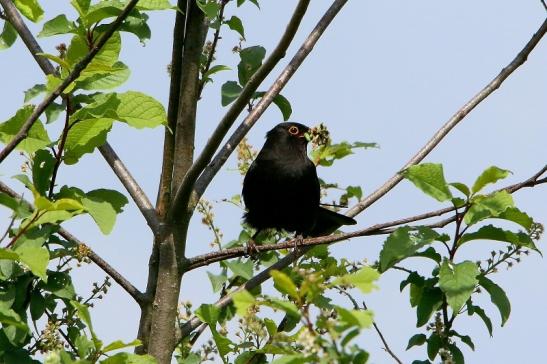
[293,130]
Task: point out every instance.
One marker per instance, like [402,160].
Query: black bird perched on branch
[281,188]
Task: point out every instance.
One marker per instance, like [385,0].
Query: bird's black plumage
[281,188]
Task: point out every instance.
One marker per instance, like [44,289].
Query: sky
[390,72]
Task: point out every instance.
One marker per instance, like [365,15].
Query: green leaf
[58,25]
[42,169]
[34,256]
[103,10]
[434,343]
[290,359]
[358,318]
[403,243]
[83,314]
[223,344]
[484,207]
[140,110]
[103,206]
[84,137]
[215,69]
[34,91]
[235,24]
[20,209]
[10,317]
[284,106]
[138,26]
[240,268]
[230,90]
[429,178]
[8,36]
[217,281]
[429,301]
[243,300]
[208,313]
[490,232]
[128,358]
[118,344]
[251,60]
[284,284]
[461,187]
[286,306]
[471,309]
[37,305]
[107,78]
[498,298]
[31,9]
[37,137]
[81,6]
[458,281]
[60,285]
[363,279]
[53,111]
[457,355]
[490,175]
[519,217]
[416,340]
[209,7]
[154,5]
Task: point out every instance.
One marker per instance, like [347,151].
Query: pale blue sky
[390,72]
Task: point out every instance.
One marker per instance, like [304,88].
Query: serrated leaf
[229,91]
[240,268]
[498,298]
[8,36]
[284,284]
[235,24]
[490,175]
[31,9]
[429,178]
[208,313]
[119,344]
[243,300]
[490,232]
[84,137]
[403,243]
[34,256]
[363,279]
[416,340]
[140,110]
[103,206]
[107,78]
[58,25]
[458,281]
[37,137]
[484,207]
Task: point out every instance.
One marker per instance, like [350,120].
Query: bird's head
[288,133]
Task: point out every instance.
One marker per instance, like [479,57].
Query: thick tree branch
[131,185]
[78,68]
[183,194]
[94,257]
[106,150]
[493,85]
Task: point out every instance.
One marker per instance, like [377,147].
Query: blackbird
[281,188]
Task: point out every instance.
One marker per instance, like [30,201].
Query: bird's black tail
[328,221]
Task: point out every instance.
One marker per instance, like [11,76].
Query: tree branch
[78,68]
[384,341]
[131,185]
[453,121]
[183,193]
[137,295]
[306,244]
[106,150]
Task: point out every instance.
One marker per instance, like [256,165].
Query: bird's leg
[298,240]
[250,248]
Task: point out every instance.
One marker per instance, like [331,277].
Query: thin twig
[544,4]
[131,185]
[183,193]
[78,68]
[94,257]
[384,341]
[211,55]
[61,147]
[453,121]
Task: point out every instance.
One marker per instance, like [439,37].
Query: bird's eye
[293,130]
